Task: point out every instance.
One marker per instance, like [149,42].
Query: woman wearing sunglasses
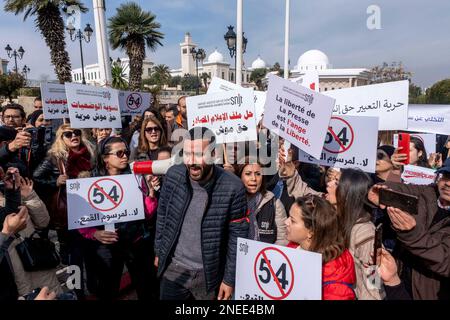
[132,242]
[152,137]
[70,154]
[313,226]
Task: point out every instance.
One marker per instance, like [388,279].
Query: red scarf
[78,162]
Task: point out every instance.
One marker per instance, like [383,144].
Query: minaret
[187,60]
[102,42]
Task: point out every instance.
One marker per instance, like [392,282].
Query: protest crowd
[186,244]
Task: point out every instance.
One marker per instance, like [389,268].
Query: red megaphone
[156,167]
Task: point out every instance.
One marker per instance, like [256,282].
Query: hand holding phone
[402,201]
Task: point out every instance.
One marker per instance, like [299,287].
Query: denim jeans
[180,283]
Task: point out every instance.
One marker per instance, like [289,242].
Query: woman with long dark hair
[132,242]
[152,137]
[349,195]
[266,213]
[313,225]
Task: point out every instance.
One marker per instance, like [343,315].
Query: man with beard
[201,213]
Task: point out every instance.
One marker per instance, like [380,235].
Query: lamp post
[26,70]
[15,53]
[230,38]
[77,34]
[198,55]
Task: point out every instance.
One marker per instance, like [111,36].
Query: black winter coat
[223,222]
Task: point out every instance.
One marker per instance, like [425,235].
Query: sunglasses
[152,129]
[70,134]
[120,153]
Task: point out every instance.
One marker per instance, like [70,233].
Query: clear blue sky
[414,32]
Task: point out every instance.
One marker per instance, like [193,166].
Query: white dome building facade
[258,64]
[329,78]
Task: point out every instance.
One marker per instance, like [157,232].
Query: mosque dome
[216,57]
[258,63]
[313,60]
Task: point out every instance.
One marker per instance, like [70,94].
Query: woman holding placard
[131,243]
[266,213]
[313,225]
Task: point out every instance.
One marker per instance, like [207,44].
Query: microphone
[155,167]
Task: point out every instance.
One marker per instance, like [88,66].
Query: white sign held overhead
[271,272]
[310,80]
[134,103]
[431,118]
[220,85]
[350,142]
[418,175]
[297,114]
[229,114]
[93,107]
[388,101]
[54,101]
[103,201]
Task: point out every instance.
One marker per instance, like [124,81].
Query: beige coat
[28,281]
[368,284]
[280,217]
[297,188]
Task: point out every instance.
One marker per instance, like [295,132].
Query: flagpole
[286,41]
[102,42]
[239,43]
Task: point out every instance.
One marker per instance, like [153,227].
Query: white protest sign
[54,101]
[260,101]
[310,80]
[103,200]
[271,272]
[388,101]
[351,142]
[230,115]
[432,118]
[297,114]
[428,140]
[93,107]
[134,103]
[418,175]
[220,85]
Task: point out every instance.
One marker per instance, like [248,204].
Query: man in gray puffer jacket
[201,213]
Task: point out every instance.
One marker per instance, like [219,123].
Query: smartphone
[400,200]
[377,245]
[403,142]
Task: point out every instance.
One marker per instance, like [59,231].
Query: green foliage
[10,84]
[256,77]
[189,82]
[439,93]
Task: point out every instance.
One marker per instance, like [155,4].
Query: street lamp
[230,38]
[26,70]
[198,55]
[77,34]
[15,53]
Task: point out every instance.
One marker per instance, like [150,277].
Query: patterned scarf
[252,205]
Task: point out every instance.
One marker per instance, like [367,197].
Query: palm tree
[50,23]
[205,76]
[132,29]
[119,77]
[161,74]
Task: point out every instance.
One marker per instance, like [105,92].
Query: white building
[215,65]
[329,78]
[92,72]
